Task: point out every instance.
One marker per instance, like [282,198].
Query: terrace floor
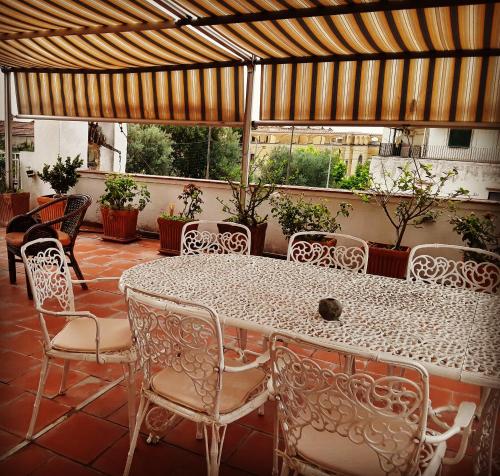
[94,441]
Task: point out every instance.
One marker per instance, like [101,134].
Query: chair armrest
[20,223]
[95,280]
[463,419]
[258,362]
[77,314]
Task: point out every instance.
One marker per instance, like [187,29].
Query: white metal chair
[370,419]
[237,240]
[186,372]
[474,268]
[85,337]
[333,250]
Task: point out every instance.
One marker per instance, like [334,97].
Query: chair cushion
[236,388]
[15,238]
[337,453]
[79,335]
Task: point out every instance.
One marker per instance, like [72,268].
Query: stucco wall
[366,221]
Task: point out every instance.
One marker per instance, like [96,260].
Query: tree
[306,166]
[360,180]
[149,150]
[225,154]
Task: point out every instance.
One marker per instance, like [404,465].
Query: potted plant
[120,203]
[12,202]
[299,215]
[244,212]
[170,225]
[61,176]
[419,191]
[477,232]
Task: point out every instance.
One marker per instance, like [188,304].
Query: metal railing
[488,155]
[16,169]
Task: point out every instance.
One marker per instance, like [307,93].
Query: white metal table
[454,333]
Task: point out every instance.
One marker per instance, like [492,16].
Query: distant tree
[225,154]
[360,180]
[149,150]
[306,166]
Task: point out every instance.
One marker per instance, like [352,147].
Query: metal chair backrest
[49,277]
[332,250]
[74,213]
[180,335]
[358,397]
[474,269]
[230,238]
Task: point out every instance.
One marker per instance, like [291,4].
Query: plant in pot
[61,176]
[12,202]
[418,192]
[121,202]
[477,231]
[171,225]
[245,213]
[301,215]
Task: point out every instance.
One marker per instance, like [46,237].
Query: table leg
[158,422]
[485,442]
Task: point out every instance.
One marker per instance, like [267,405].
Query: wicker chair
[473,268]
[357,412]
[85,337]
[24,228]
[188,371]
[343,251]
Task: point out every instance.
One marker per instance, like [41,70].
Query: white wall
[476,178]
[52,138]
[366,221]
[110,160]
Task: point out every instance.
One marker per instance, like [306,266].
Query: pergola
[351,62]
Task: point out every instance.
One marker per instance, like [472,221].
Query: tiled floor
[94,441]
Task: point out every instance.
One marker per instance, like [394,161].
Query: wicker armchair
[24,228]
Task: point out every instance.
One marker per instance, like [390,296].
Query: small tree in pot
[61,176]
[245,213]
[420,192]
[299,215]
[121,202]
[171,225]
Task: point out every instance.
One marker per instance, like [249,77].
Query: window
[360,160]
[460,138]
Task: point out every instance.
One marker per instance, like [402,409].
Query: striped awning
[323,61]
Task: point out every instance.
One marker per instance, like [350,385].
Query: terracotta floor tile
[24,341]
[9,393]
[81,391]
[59,466]
[108,403]
[255,455]
[151,460]
[8,441]
[25,461]
[13,364]
[29,381]
[120,416]
[82,437]
[264,423]
[15,416]
[103,371]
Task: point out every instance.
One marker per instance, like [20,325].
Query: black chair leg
[28,287]
[77,269]
[12,267]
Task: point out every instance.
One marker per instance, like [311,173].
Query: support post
[247,134]
[9,179]
[207,171]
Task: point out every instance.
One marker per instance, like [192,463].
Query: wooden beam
[348,8]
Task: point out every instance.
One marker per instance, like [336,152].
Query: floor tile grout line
[62,418]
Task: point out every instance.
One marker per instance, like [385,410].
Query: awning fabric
[427,62]
[204,95]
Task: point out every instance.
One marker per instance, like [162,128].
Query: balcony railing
[488,155]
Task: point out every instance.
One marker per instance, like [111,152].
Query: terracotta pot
[53,211]
[257,233]
[13,204]
[170,235]
[384,261]
[119,225]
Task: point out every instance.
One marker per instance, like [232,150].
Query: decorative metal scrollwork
[198,242]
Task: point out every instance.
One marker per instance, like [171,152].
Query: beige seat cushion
[79,335]
[15,238]
[236,388]
[335,452]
